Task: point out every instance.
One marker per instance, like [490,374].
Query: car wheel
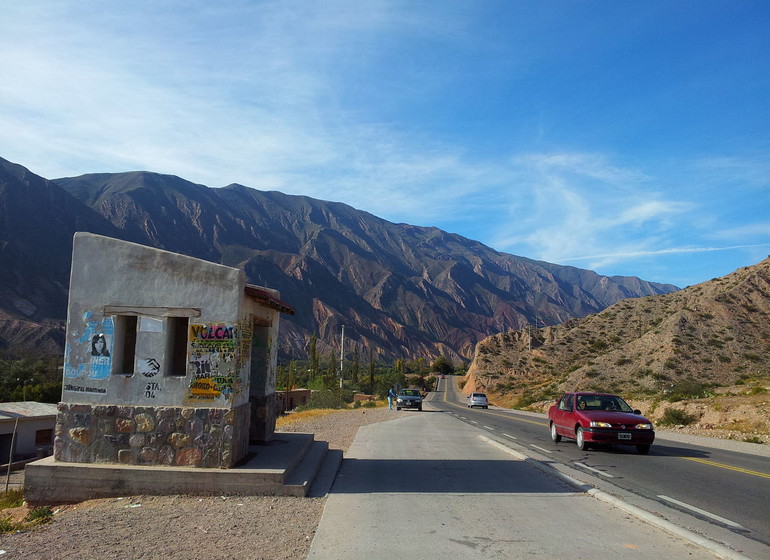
[398,408]
[486,408]
[419,408]
[580,439]
[556,438]
[643,449]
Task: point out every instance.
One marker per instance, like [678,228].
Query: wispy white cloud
[577,201]
[671,251]
[328,100]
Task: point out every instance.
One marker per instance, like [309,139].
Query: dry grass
[293,417]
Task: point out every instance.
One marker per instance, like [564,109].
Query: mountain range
[401,291]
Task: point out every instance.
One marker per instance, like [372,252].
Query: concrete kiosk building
[170,361]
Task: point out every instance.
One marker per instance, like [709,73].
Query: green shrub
[676,417]
[39,515]
[12,498]
[528,398]
[757,391]
[688,389]
[331,398]
[7,525]
[599,345]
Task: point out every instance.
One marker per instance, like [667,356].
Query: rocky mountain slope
[400,290]
[37,220]
[684,344]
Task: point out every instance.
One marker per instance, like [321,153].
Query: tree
[444,365]
[371,370]
[356,366]
[399,367]
[313,357]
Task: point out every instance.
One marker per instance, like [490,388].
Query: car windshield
[410,392]
[609,403]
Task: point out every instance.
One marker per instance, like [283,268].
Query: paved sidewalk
[427,485]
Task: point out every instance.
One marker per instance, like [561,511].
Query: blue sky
[626,137]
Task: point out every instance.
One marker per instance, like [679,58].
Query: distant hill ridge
[714,333]
[402,290]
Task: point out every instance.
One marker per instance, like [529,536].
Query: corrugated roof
[26,409]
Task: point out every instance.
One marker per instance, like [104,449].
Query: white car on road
[478,399]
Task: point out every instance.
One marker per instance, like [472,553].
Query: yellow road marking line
[729,467]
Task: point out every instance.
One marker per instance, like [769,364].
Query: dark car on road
[599,418]
[409,398]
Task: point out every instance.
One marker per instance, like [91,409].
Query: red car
[599,418]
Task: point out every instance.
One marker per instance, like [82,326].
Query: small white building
[169,360]
[34,423]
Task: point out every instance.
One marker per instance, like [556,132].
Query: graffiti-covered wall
[150,330]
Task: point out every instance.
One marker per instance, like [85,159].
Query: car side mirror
[637,412]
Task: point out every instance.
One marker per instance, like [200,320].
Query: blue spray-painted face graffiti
[93,347]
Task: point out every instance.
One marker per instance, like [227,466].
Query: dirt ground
[189,527]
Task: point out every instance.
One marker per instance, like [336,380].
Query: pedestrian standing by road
[391,396]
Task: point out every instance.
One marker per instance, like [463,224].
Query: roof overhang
[267,299]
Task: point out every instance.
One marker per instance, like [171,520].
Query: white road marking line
[489,428]
[597,471]
[702,512]
[509,436]
[474,422]
[540,449]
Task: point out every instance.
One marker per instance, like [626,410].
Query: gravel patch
[189,527]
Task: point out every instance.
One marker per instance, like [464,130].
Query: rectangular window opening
[177,346]
[43,437]
[125,344]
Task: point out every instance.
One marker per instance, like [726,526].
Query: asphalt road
[724,489]
[427,485]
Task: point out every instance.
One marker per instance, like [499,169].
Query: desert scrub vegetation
[676,417]
[15,498]
[688,389]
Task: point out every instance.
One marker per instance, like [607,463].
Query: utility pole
[342,352]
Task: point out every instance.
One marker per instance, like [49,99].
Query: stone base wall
[140,435]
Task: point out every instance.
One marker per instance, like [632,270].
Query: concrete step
[324,480]
[299,480]
[285,466]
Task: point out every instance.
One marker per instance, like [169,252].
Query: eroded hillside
[714,334]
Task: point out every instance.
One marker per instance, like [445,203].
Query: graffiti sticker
[149,367]
[211,364]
